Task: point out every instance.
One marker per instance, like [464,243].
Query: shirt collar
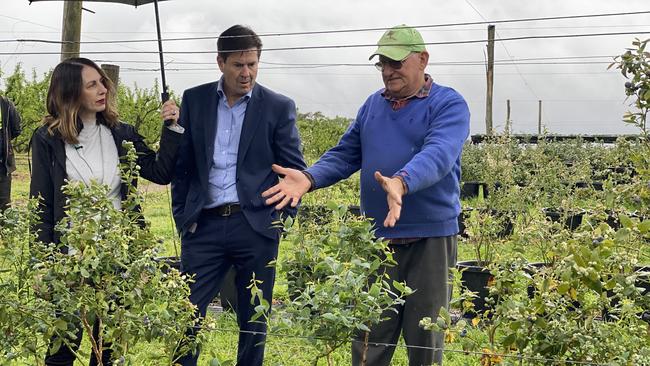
[399,103]
[422,93]
[222,94]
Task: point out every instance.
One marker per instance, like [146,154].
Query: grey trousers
[424,266]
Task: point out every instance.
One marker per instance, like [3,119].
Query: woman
[81,140]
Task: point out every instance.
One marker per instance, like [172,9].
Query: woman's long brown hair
[64,99]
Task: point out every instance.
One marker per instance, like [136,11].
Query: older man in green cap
[407,141]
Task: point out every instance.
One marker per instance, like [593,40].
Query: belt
[223,210]
[403,241]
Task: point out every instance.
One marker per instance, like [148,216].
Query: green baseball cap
[398,42]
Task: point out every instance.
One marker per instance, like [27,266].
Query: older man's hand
[290,189]
[394,189]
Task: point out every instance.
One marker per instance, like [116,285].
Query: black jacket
[48,170]
[10,130]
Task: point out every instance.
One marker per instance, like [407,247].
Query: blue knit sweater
[422,142]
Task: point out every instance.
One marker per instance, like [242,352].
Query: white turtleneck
[95,158]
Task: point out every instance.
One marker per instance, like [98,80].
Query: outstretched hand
[394,191]
[290,189]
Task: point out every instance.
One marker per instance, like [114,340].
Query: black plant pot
[296,284]
[620,174]
[169,262]
[642,282]
[298,280]
[571,220]
[539,268]
[355,210]
[508,226]
[461,222]
[613,218]
[532,269]
[321,215]
[478,279]
[317,214]
[472,189]
[596,186]
[506,220]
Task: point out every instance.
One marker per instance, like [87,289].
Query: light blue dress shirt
[223,170]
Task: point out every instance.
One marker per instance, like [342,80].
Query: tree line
[139,106]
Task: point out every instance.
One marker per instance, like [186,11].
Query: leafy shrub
[336,281]
[107,276]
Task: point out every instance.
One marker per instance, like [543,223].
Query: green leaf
[594,285]
[399,286]
[61,324]
[363,327]
[332,206]
[609,285]
[515,325]
[509,340]
[260,309]
[644,226]
[445,315]
[625,220]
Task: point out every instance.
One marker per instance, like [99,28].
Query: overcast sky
[579,94]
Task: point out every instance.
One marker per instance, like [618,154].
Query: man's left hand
[394,189]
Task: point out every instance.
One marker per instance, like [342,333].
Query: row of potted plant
[587,298]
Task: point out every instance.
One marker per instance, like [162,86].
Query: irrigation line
[354,30]
[370,66]
[449,350]
[339,46]
[213,63]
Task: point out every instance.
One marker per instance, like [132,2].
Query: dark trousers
[64,356]
[5,191]
[424,266]
[217,244]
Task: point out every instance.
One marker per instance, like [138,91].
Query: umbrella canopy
[164,95]
[127,2]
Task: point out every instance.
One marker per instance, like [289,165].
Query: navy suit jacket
[269,136]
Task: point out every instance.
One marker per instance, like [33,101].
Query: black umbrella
[165,94]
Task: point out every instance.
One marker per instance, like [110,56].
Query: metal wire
[448,350]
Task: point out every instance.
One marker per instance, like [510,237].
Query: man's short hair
[238,38]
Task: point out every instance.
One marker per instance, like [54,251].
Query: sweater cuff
[312,182]
[402,175]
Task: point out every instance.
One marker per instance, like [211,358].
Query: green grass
[222,341]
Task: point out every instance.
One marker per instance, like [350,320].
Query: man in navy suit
[235,130]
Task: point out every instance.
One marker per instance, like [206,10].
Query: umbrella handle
[164,96]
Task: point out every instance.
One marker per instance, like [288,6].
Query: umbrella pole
[164,95]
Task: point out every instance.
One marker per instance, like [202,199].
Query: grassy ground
[222,342]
